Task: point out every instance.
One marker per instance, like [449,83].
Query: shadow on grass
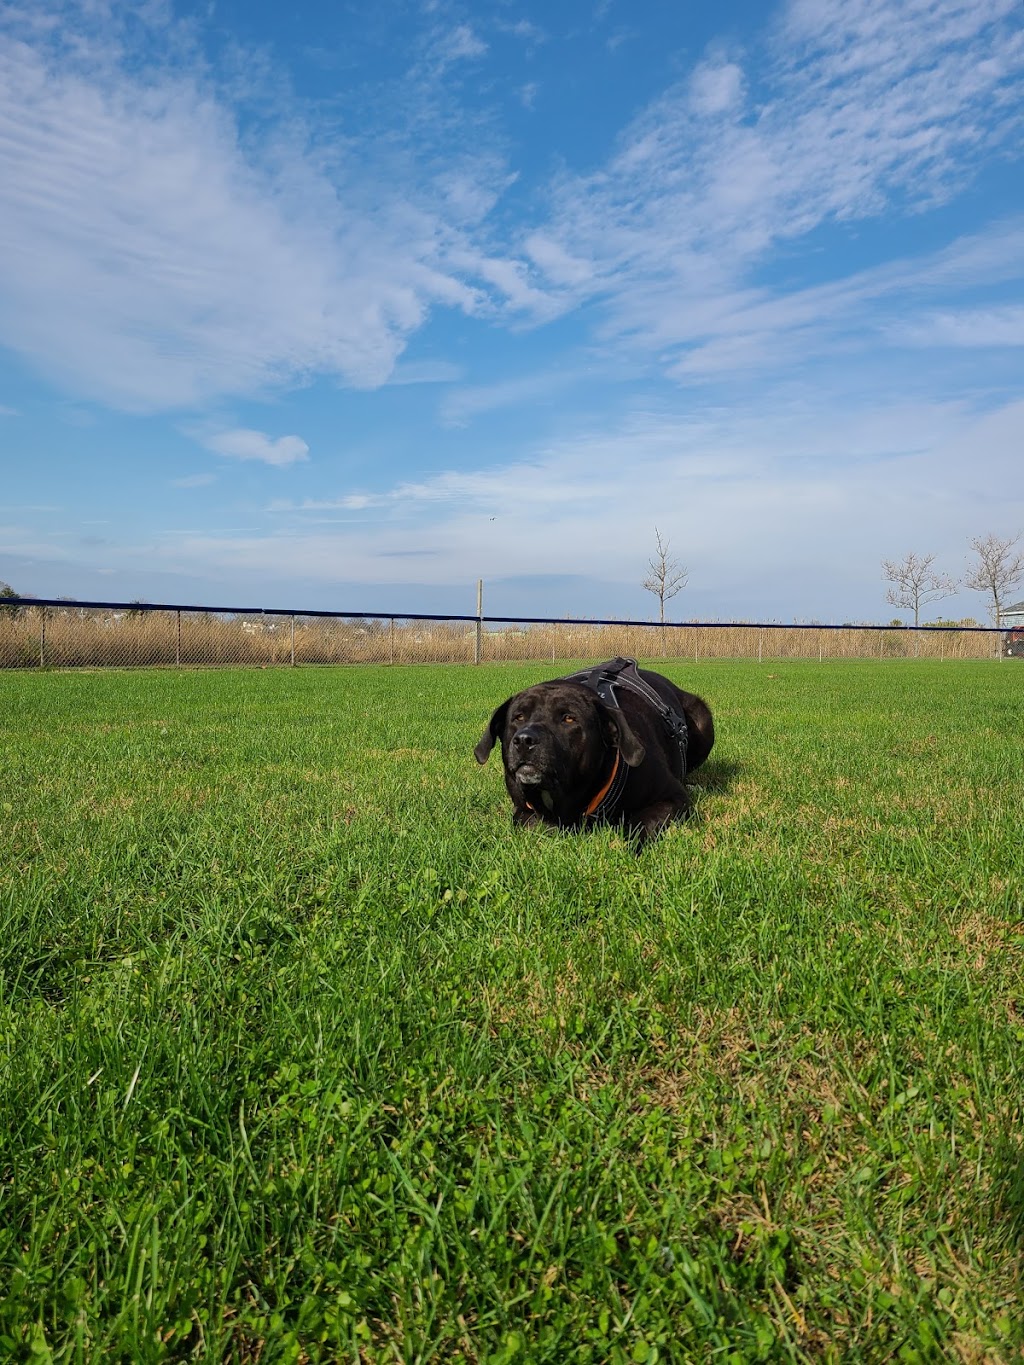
[717,775]
[1009,1188]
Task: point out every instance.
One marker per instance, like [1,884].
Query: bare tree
[999,568]
[8,600]
[915,583]
[666,575]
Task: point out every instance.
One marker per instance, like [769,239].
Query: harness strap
[611,792]
[604,680]
[624,672]
[608,795]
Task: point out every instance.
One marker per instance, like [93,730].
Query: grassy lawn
[305,1055]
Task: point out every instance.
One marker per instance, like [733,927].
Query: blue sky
[348,305]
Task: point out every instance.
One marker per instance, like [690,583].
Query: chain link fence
[46,633]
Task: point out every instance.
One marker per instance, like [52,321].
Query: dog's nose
[526,738]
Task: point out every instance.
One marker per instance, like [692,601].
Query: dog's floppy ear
[490,736]
[622,737]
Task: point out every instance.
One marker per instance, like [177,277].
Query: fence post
[391,640]
[478,651]
[760,635]
[177,641]
[42,637]
[293,641]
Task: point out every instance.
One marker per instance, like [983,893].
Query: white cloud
[555,262]
[528,94]
[971,327]
[716,87]
[462,43]
[154,257]
[862,108]
[157,253]
[815,496]
[523,28]
[510,280]
[351,502]
[245,444]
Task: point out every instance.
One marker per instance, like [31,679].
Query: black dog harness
[606,679]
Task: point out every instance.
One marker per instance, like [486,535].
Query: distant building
[1012,621]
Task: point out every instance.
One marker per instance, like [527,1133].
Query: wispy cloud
[194,481]
[523,28]
[154,254]
[863,108]
[528,94]
[969,327]
[155,257]
[773,502]
[461,405]
[716,87]
[425,372]
[460,44]
[351,502]
[843,483]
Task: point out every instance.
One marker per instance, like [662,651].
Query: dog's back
[698,716]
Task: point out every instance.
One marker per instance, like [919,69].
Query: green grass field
[305,1055]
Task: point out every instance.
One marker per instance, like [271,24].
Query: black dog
[612,743]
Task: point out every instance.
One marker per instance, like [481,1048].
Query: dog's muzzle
[524,752]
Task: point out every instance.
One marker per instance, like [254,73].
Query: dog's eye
[569,720]
[518,720]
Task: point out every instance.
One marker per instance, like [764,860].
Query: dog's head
[556,739]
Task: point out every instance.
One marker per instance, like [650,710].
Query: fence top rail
[142,607]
